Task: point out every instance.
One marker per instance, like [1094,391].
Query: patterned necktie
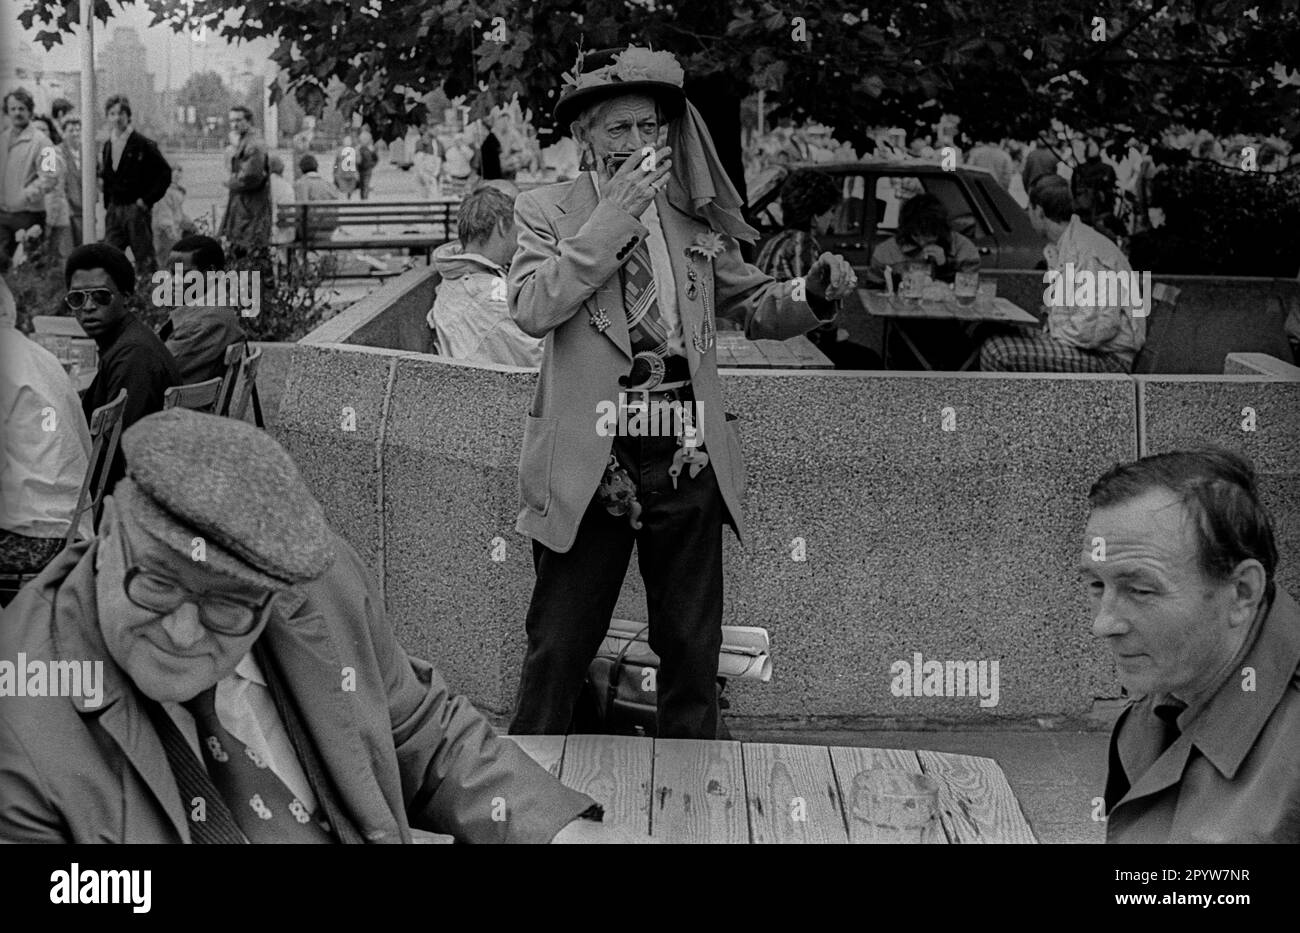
[265,809]
[645,324]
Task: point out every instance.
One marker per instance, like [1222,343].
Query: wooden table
[684,790]
[736,350]
[897,312]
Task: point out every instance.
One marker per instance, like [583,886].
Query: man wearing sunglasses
[252,688]
[131,356]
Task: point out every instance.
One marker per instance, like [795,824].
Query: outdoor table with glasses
[940,304]
[694,791]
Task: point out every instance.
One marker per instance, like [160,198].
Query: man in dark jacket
[246,226]
[1179,559]
[131,356]
[198,331]
[135,177]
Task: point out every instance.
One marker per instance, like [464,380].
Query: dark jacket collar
[1230,722]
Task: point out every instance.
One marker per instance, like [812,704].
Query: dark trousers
[12,222]
[132,225]
[76,227]
[679,550]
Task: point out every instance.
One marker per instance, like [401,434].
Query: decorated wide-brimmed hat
[605,73]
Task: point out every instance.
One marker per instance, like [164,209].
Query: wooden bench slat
[975,798]
[615,771]
[699,792]
[792,795]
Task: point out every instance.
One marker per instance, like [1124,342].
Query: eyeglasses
[157,593]
[77,298]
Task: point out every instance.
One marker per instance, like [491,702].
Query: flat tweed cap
[196,475]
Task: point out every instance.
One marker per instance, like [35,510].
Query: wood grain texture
[792,795]
[699,792]
[976,800]
[778,354]
[546,750]
[615,771]
[849,762]
[808,355]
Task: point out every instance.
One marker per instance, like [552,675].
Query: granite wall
[889,513]
[1257,417]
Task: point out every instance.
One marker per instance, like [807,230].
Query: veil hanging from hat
[698,184]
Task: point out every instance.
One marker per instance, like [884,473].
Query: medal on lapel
[707,246]
[599,319]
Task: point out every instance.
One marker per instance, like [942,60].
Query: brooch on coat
[599,319]
[707,246]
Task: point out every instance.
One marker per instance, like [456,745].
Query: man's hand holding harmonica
[634,184]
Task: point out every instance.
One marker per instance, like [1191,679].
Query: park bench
[414,226]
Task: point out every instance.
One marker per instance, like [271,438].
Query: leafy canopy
[1008,67]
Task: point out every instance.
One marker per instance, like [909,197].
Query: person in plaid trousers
[1095,337]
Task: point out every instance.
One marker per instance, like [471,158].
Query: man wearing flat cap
[622,271]
[215,666]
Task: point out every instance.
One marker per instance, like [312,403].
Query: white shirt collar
[248,669]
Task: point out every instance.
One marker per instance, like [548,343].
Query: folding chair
[201,396]
[239,385]
[105,432]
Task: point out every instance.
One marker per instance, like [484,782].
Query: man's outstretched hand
[831,277]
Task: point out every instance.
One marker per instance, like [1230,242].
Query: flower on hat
[632,64]
[707,245]
[638,64]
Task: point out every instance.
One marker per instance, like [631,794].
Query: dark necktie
[265,809]
[645,324]
[1168,713]
[217,824]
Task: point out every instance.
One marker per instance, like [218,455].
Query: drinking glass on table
[894,806]
[916,276]
[987,290]
[965,286]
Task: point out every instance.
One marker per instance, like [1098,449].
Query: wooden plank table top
[686,790]
[878,304]
[736,350]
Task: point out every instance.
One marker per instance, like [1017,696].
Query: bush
[1222,221]
[296,300]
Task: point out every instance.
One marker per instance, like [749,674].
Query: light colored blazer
[565,269]
[402,752]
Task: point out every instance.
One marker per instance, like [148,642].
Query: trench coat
[398,749]
[564,272]
[247,223]
[1233,775]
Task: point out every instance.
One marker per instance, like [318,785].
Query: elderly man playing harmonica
[622,271]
